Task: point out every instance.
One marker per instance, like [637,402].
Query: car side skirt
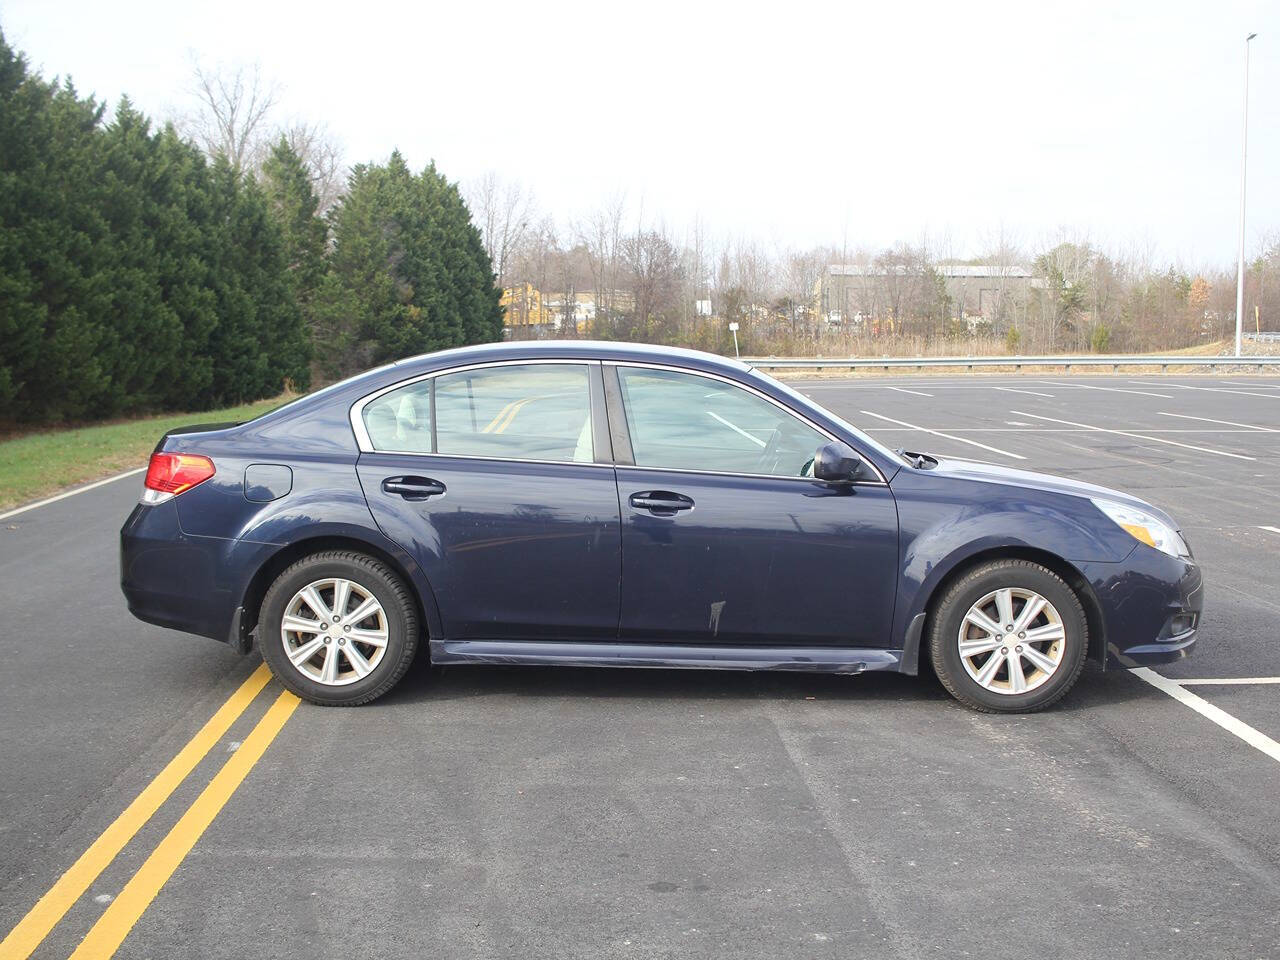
[586,654]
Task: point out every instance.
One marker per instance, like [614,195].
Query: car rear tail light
[170,474]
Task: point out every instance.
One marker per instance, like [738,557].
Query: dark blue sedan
[604,504]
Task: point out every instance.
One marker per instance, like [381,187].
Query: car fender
[931,551]
[266,559]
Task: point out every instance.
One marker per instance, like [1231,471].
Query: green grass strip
[37,465]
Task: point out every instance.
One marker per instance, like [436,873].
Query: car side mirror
[837,463]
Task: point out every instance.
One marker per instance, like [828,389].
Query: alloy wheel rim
[1012,641]
[334,631]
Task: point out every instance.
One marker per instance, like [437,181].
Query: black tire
[948,614]
[370,575]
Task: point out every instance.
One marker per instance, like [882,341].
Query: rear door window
[536,411]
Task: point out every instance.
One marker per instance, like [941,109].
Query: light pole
[1244,158]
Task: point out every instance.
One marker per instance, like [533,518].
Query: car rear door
[724,540]
[497,479]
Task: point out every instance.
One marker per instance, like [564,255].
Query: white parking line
[1036,428]
[1225,423]
[1265,386]
[71,493]
[918,393]
[1139,436]
[1019,427]
[1255,738]
[879,383]
[1085,386]
[939,433]
[1032,392]
[1226,681]
[1270,529]
[737,429]
[1240,393]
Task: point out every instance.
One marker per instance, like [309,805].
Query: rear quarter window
[401,420]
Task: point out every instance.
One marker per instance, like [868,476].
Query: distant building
[582,309]
[854,293]
[523,306]
[526,308]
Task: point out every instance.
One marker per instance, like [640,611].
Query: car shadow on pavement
[428,682]
[425,682]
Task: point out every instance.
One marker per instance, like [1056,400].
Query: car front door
[725,539]
[497,480]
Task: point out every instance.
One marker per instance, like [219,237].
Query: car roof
[330,406]
[568,349]
[345,392]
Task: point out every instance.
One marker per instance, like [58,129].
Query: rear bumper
[173,580]
[1151,607]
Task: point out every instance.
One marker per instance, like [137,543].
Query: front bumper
[1151,607]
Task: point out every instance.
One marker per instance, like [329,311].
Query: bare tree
[503,211]
[752,272]
[1004,258]
[533,257]
[322,155]
[865,303]
[696,271]
[601,237]
[232,119]
[801,275]
[572,274]
[653,263]
[1066,270]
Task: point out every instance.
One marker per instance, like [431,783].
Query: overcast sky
[792,123]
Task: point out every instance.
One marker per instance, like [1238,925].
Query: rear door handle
[662,503]
[413,488]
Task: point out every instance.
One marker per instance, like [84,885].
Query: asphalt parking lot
[559,812]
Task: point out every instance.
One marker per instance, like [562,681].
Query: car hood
[1011,477]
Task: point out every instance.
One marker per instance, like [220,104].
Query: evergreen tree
[409,271]
[187,256]
[293,204]
[360,286]
[259,341]
[51,248]
[132,275]
[23,130]
[135,275]
[143,331]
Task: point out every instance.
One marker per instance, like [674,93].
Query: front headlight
[1143,526]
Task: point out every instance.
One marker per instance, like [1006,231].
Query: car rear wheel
[338,628]
[1008,637]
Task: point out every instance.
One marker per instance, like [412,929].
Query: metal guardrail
[1017,363]
[1270,336]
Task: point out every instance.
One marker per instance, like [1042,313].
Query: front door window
[681,421]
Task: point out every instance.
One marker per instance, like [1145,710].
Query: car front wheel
[338,628]
[1009,636]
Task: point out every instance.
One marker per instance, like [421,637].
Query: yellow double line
[115,923]
[504,417]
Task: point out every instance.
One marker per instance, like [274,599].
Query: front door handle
[661,503]
[413,488]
